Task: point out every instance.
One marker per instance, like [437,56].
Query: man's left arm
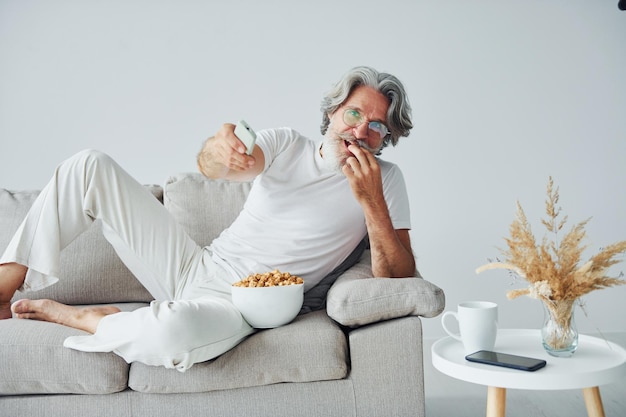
[390,248]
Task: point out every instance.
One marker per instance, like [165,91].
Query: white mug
[478,323]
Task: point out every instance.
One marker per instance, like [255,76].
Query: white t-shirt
[300,216]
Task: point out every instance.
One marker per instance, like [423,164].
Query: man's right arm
[224,156]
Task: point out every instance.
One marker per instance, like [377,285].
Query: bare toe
[28,309]
[46,310]
[20,306]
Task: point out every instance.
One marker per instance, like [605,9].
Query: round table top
[596,362]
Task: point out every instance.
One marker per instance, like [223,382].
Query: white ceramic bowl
[269,307]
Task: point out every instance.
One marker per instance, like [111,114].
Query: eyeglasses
[354,118]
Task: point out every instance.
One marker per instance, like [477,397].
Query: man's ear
[330,117]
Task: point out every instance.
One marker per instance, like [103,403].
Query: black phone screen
[507,360]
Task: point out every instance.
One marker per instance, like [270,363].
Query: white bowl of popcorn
[269,300]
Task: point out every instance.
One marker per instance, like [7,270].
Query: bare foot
[83,318]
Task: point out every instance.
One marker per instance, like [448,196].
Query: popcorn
[269,279]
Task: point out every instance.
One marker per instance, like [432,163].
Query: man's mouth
[349,139]
[347,144]
[357,142]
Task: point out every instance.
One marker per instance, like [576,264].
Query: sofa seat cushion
[311,348]
[34,361]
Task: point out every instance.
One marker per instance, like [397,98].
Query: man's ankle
[12,277]
[5,310]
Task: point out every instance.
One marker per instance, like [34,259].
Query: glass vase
[559,333]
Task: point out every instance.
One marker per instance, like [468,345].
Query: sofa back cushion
[91,272]
[204,207]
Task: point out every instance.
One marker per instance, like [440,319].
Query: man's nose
[361,131]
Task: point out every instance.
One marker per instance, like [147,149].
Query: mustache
[348,137]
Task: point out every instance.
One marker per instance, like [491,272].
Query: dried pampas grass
[552,267]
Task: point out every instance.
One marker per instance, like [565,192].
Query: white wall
[505,93]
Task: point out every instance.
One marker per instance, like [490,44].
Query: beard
[335,149]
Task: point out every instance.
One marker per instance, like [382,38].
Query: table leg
[496,401]
[593,402]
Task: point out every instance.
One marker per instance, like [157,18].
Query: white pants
[192,318]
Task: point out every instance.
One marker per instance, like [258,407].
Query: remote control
[245,133]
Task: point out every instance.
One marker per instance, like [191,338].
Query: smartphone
[245,133]
[506,360]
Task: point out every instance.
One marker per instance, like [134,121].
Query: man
[309,207]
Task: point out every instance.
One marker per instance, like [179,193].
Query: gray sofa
[355,351]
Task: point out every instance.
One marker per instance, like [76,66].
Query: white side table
[596,362]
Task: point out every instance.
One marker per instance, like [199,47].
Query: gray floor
[449,397]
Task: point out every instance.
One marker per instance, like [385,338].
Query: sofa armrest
[357,298]
[387,368]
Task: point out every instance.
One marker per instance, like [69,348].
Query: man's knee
[91,156]
[86,161]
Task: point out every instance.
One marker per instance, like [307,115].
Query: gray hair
[398,114]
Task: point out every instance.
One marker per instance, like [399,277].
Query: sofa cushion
[34,361]
[311,348]
[202,206]
[89,255]
[357,299]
